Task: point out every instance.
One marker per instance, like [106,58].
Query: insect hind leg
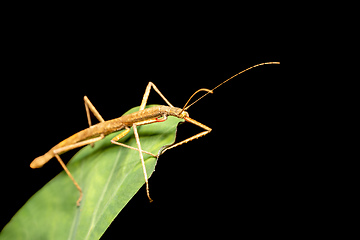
[71,177]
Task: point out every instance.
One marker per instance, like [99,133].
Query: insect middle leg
[121,135]
[146,95]
[142,161]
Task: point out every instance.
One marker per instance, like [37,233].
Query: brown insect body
[111,126]
[144,116]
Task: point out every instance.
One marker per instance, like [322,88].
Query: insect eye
[184,114]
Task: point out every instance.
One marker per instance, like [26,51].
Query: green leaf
[109,176]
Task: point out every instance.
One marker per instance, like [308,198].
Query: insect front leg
[207,130]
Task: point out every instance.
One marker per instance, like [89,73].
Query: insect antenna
[201,89]
[211,91]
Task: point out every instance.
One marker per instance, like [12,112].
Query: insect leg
[71,177]
[67,148]
[207,130]
[142,161]
[77,145]
[146,96]
[121,135]
[90,106]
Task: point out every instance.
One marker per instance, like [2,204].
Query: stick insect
[144,116]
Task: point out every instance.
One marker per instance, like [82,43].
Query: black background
[234,179]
